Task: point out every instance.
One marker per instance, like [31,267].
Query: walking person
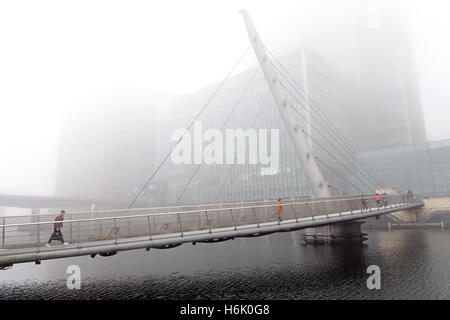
[409,195]
[378,199]
[403,196]
[57,234]
[279,209]
[384,197]
[364,202]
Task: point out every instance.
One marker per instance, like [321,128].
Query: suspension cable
[229,171]
[366,174]
[190,125]
[325,149]
[326,120]
[221,129]
[320,145]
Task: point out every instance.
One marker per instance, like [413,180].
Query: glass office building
[373,100]
[424,168]
[254,108]
[113,153]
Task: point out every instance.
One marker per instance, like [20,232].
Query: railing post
[232,217]
[115,231]
[256,217]
[179,222]
[128,222]
[207,221]
[70,229]
[79,233]
[39,231]
[4,229]
[325,209]
[293,212]
[149,227]
[310,211]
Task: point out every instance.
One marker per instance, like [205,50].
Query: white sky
[57,55]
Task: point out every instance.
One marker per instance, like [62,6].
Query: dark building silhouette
[390,99]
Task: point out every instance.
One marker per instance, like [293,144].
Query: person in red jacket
[57,234]
[378,199]
[279,209]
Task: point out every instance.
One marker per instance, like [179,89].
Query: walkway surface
[23,238]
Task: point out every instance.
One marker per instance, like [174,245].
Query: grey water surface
[415,264]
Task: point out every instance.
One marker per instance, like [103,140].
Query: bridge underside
[12,256]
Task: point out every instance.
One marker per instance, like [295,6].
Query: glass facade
[255,109]
[423,168]
[122,148]
[112,152]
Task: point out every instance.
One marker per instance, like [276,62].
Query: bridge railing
[117,212]
[150,223]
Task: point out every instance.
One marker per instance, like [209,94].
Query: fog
[59,57]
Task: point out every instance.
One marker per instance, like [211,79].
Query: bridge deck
[117,230]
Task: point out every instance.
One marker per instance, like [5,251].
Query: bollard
[389,225]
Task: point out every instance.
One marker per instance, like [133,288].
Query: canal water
[414,264]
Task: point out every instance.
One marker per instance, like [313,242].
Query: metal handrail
[86,235]
[332,198]
[172,213]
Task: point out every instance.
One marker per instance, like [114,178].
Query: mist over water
[90,94]
[132,54]
[415,264]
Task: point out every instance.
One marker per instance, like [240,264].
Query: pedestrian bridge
[24,238]
[328,161]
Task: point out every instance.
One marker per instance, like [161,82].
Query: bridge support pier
[337,233]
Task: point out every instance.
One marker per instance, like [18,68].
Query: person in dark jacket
[384,198]
[364,202]
[409,196]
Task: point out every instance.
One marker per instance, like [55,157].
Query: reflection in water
[414,264]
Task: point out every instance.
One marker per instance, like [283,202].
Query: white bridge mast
[319,186]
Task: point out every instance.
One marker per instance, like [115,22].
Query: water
[415,264]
